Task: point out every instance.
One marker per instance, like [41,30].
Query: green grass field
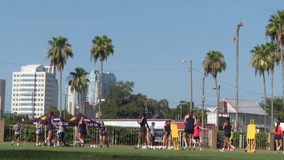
[31,152]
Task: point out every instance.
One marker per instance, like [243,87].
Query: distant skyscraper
[2,94]
[72,100]
[35,83]
[94,89]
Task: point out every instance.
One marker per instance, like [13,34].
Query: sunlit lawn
[29,151]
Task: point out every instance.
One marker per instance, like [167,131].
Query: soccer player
[82,125]
[196,135]
[228,127]
[50,125]
[17,129]
[103,130]
[61,132]
[152,135]
[38,132]
[278,130]
[231,140]
[142,133]
[167,133]
[254,143]
[189,121]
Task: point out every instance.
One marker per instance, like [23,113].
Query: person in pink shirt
[196,135]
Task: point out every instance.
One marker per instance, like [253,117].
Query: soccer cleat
[245,150]
[12,143]
[185,147]
[228,150]
[136,147]
[231,150]
[189,148]
[107,145]
[193,148]
[44,144]
[277,150]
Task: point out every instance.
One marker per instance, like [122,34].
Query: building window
[244,118]
[260,118]
[232,118]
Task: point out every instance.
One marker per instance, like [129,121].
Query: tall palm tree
[275,59]
[274,30]
[58,52]
[261,60]
[213,64]
[237,72]
[101,49]
[79,83]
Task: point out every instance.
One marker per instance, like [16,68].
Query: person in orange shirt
[278,130]
[196,135]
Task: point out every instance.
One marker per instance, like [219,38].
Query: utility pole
[146,105]
[65,105]
[203,99]
[190,62]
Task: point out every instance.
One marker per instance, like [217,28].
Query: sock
[138,145]
[253,149]
[39,143]
[12,142]
[185,144]
[169,146]
[44,141]
[48,143]
[223,149]
[278,148]
[36,144]
[246,149]
[232,146]
[193,146]
[228,147]
[18,144]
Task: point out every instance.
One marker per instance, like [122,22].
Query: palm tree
[274,30]
[237,71]
[275,58]
[213,64]
[261,60]
[58,52]
[101,49]
[79,82]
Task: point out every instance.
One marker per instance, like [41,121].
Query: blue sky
[151,38]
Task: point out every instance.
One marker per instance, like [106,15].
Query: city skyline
[151,40]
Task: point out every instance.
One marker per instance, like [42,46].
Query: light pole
[146,105]
[217,117]
[190,71]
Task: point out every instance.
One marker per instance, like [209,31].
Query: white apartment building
[37,84]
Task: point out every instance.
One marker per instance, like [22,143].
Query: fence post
[213,139]
[2,129]
[270,139]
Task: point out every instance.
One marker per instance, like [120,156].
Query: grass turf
[31,152]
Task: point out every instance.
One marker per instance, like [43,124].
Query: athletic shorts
[103,134]
[39,134]
[188,131]
[152,137]
[278,136]
[83,132]
[168,133]
[227,134]
[143,129]
[17,135]
[196,137]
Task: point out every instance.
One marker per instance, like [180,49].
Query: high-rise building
[72,100]
[2,94]
[35,87]
[93,87]
[91,95]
